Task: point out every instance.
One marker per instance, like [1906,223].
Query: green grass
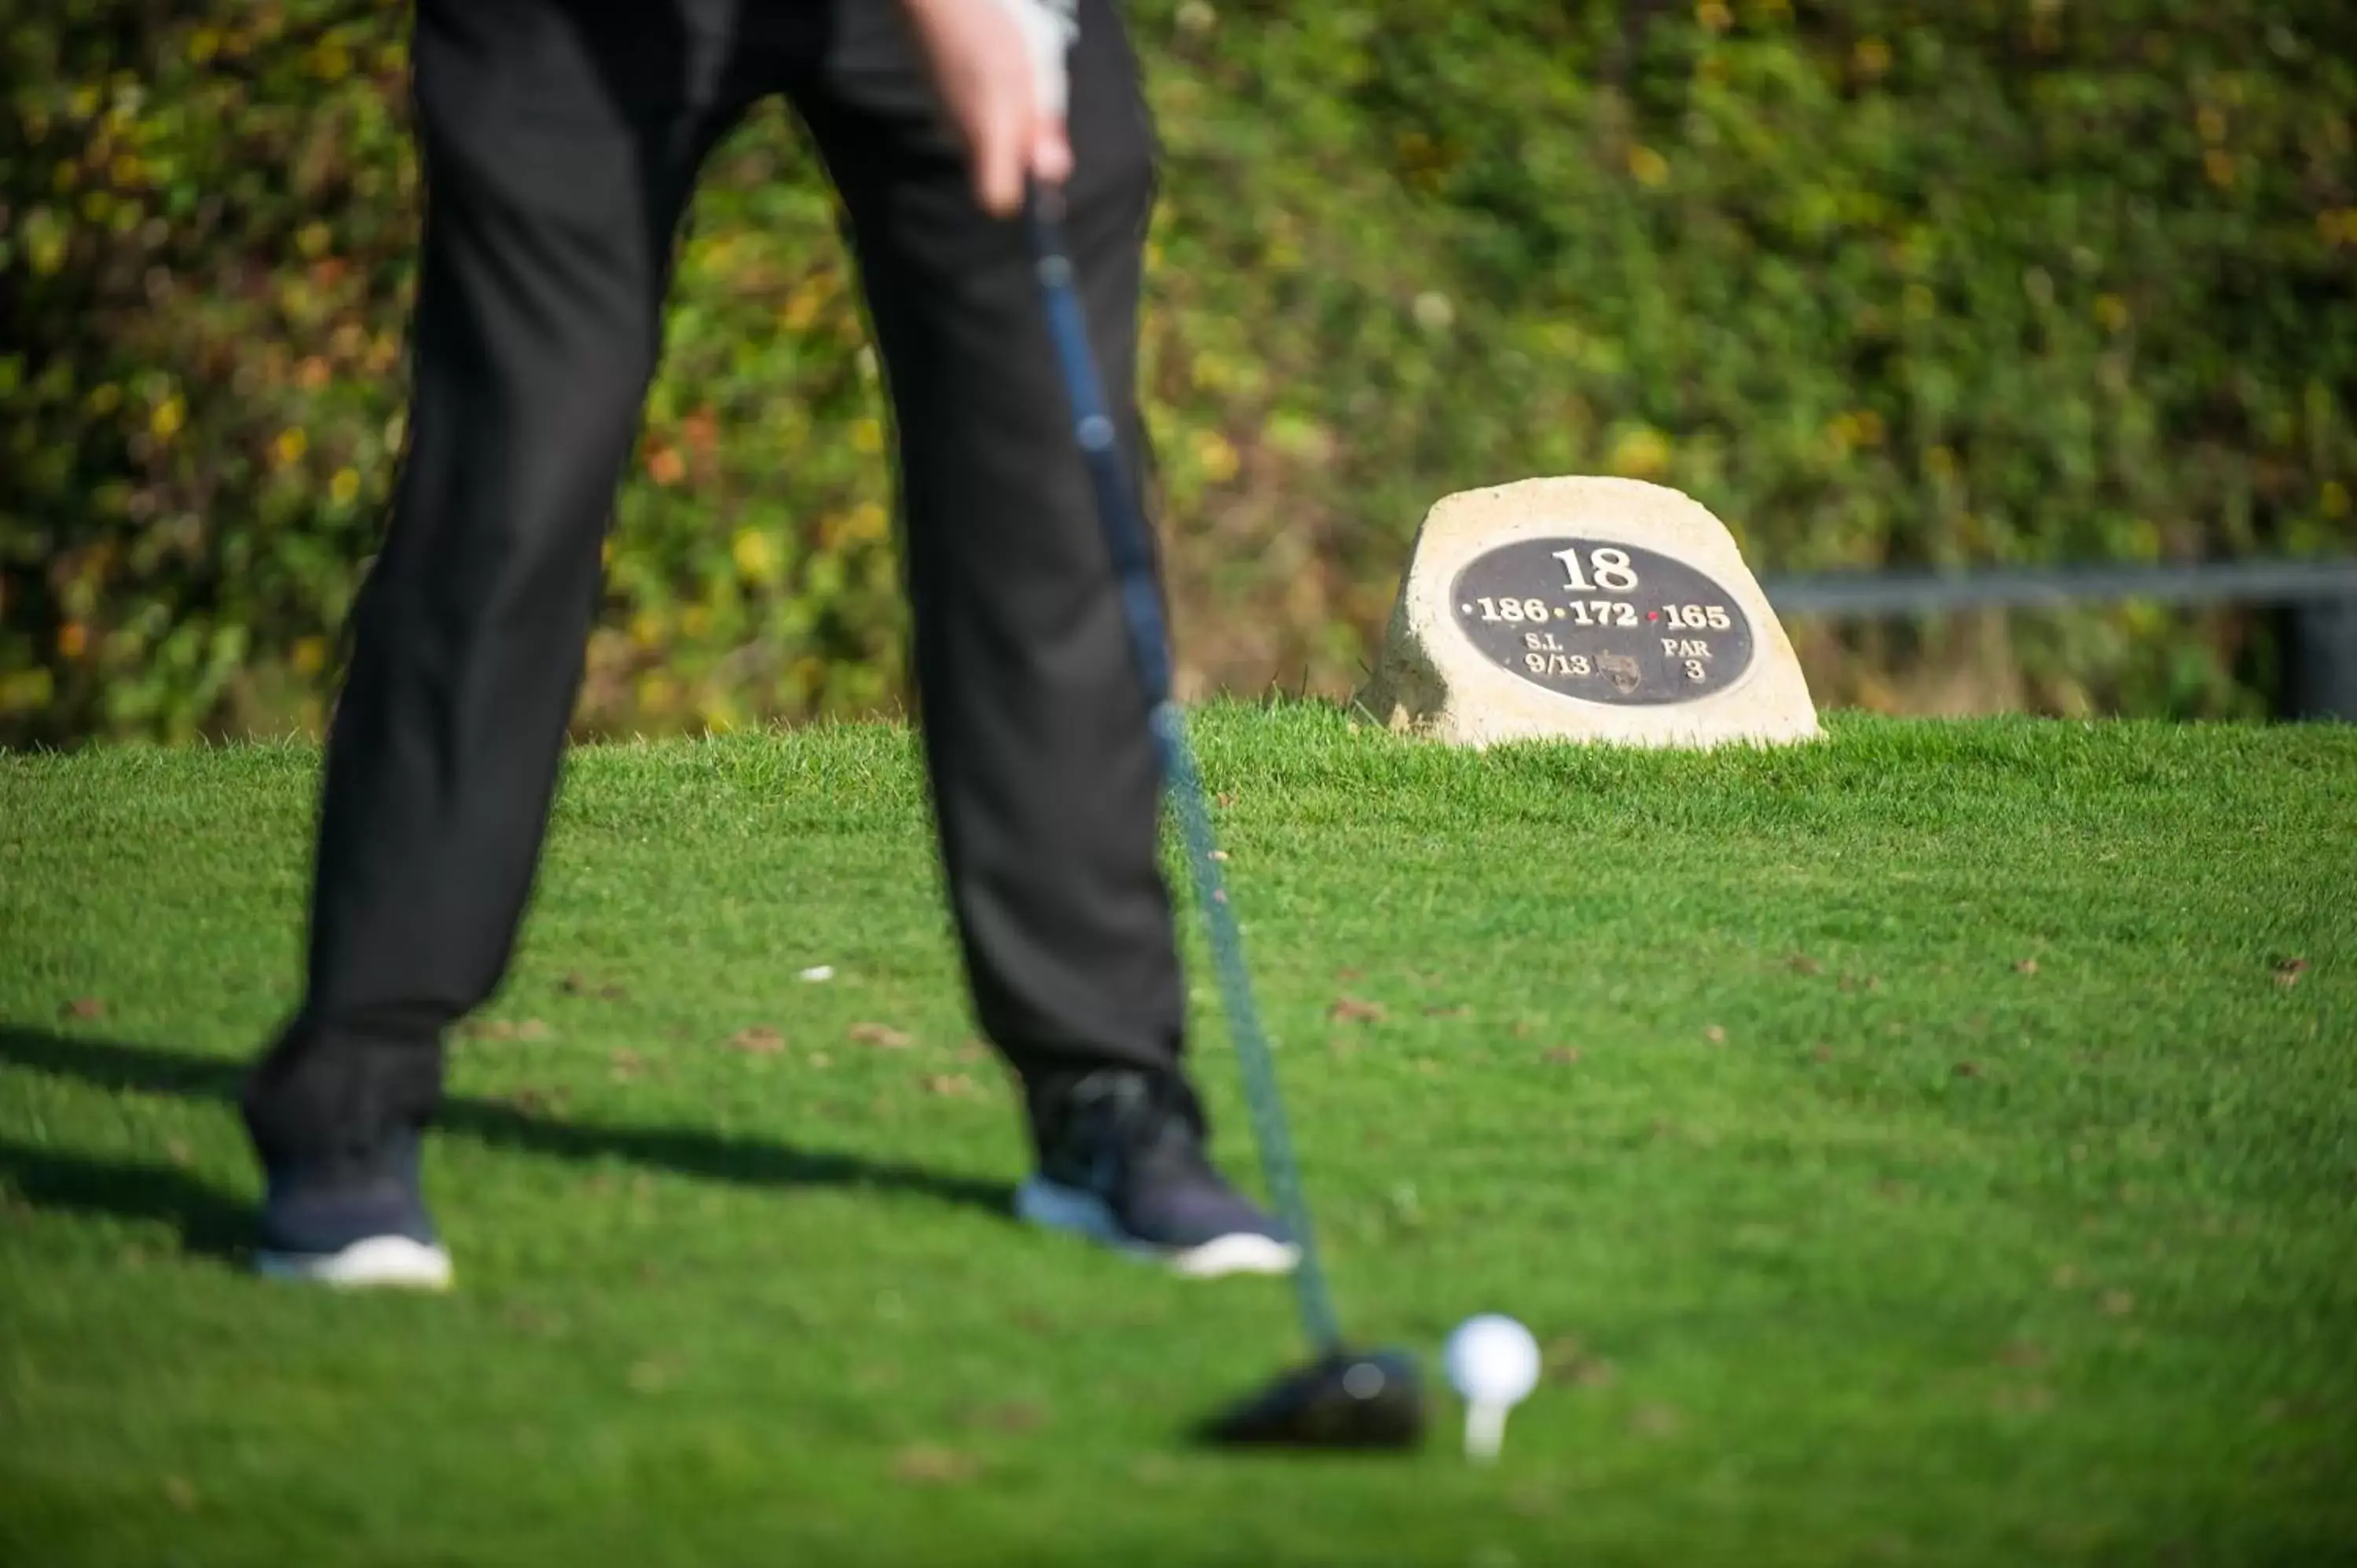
[1907,1145]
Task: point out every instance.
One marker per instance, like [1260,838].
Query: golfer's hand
[999,65]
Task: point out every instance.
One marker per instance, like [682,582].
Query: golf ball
[1492,1359]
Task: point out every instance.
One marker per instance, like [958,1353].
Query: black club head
[1348,1399]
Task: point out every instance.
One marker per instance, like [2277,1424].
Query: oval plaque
[1602,622]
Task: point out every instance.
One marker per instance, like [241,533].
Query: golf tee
[1485,1428]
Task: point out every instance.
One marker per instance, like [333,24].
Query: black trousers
[560,142]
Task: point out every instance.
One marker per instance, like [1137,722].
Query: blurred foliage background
[1920,281]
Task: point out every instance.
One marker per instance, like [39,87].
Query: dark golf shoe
[355,1228]
[1122,1162]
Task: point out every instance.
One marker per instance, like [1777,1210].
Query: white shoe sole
[388,1262]
[1056,1206]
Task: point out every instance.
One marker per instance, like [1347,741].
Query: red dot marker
[1653,614]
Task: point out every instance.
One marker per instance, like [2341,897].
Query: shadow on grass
[211,1222]
[115,1066]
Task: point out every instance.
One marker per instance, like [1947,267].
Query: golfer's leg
[550,216]
[1044,779]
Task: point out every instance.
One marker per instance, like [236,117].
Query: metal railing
[2316,601]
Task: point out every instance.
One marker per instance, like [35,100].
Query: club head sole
[1348,1400]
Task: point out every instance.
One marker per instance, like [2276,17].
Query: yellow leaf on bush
[804,304]
[25,690]
[1218,456]
[754,555]
[288,449]
[868,435]
[1641,453]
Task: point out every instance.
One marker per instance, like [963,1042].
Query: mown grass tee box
[1931,1145]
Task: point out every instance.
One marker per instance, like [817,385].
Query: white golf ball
[1492,1359]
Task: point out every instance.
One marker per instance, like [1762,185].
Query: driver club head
[1346,1399]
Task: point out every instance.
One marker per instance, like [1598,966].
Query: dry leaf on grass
[2026,966]
[882,1036]
[1567,1361]
[1654,1421]
[1015,1415]
[1563,1053]
[1353,1010]
[1968,1069]
[85,1007]
[504,1029]
[932,1464]
[651,1375]
[955,1084]
[759,1040]
[1802,963]
[2288,971]
[1715,1034]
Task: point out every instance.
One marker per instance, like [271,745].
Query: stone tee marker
[1585,609]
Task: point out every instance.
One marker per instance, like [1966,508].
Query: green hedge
[1951,281]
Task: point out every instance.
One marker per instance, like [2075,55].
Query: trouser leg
[1044,779]
[554,180]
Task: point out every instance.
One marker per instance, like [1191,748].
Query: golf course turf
[1935,1144]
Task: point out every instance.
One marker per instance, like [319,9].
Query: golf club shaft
[1127,537]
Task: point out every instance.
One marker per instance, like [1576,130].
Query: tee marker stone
[1595,609]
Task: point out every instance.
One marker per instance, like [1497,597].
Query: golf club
[1344,1398]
